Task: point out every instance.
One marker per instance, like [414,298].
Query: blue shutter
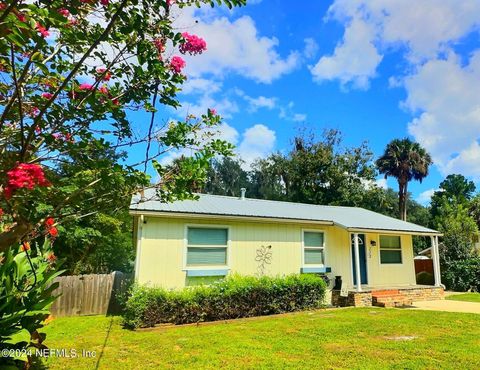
[204,236]
[312,239]
[206,256]
[390,249]
[313,256]
[390,242]
[392,256]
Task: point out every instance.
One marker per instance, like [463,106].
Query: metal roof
[351,218]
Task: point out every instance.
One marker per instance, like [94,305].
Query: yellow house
[189,242]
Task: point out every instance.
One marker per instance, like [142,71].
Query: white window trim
[322,248]
[205,267]
[390,249]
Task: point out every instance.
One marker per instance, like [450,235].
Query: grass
[341,338]
[467,297]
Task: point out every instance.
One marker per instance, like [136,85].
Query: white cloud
[369,184]
[286,112]
[258,142]
[260,102]
[311,48]
[425,29]
[442,90]
[299,117]
[382,183]
[222,132]
[425,197]
[201,86]
[446,94]
[225,107]
[234,46]
[354,60]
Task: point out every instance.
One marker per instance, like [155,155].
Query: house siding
[161,251]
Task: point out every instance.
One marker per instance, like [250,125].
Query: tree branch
[72,74]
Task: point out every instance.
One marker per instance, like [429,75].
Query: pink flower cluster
[64,137]
[64,12]
[193,44]
[103,71]
[177,64]
[160,46]
[24,175]
[33,111]
[42,30]
[85,87]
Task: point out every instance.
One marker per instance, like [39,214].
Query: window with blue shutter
[313,248]
[390,249]
[207,246]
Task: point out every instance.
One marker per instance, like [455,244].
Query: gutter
[171,214]
[174,214]
[391,231]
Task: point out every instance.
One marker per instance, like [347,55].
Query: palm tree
[405,160]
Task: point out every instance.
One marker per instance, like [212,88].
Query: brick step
[388,296]
[399,296]
[387,291]
[391,301]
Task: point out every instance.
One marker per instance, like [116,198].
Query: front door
[363,260]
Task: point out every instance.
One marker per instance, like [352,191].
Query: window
[313,248]
[390,249]
[207,246]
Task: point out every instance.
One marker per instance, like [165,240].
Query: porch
[386,296]
[359,260]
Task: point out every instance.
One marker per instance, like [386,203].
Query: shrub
[462,275]
[425,278]
[26,294]
[234,297]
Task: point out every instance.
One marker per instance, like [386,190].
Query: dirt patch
[402,337]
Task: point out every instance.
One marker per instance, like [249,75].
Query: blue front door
[363,260]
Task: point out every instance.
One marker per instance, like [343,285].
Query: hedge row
[462,275]
[233,297]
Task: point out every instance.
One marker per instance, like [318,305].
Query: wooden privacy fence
[424,265]
[89,294]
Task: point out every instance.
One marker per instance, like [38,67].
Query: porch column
[357,262]
[436,261]
[437,250]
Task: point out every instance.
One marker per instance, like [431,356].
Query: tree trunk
[401,200]
[405,200]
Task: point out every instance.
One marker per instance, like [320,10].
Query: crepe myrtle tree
[70,70]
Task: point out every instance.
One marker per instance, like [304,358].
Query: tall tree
[406,161]
[97,237]
[70,73]
[317,171]
[226,176]
[455,189]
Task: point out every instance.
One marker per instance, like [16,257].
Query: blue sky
[376,70]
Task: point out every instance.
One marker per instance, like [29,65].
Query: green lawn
[339,338]
[467,297]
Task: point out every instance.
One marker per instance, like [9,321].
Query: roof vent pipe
[242,191]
